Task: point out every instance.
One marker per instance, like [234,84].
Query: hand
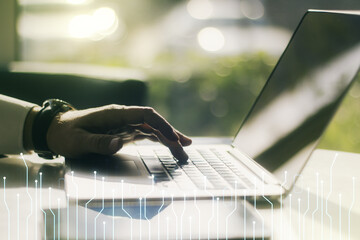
[104,130]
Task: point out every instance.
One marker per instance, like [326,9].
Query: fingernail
[114,144]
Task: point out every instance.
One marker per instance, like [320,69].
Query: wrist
[28,125]
[42,121]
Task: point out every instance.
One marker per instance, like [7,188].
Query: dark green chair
[81,92]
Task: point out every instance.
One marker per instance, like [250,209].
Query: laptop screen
[302,93]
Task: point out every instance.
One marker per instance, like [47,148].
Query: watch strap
[42,121]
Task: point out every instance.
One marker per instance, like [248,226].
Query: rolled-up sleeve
[13,113]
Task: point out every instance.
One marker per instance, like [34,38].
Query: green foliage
[210,97]
[214,99]
[344,131]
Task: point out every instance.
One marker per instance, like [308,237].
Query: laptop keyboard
[205,169]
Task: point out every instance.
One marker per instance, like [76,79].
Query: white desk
[324,204]
[312,211]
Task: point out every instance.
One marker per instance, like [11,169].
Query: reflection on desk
[210,219]
[323,205]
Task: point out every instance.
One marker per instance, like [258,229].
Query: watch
[42,121]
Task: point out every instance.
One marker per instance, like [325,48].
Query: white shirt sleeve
[13,113]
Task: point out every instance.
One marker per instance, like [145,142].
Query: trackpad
[113,167]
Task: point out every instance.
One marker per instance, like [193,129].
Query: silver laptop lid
[302,93]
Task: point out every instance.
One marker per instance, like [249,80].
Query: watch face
[58,104]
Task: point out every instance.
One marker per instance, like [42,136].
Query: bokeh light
[104,19]
[81,26]
[101,23]
[252,9]
[200,9]
[211,39]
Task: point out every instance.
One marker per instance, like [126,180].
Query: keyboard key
[211,168]
[159,177]
[154,166]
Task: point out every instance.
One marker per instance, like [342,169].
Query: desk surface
[323,205]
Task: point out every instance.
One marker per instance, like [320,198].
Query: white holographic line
[351,206]
[182,217]
[329,194]
[322,209]
[290,211]
[272,207]
[245,213]
[299,217]
[217,218]
[140,230]
[41,205]
[306,211]
[231,213]
[76,205]
[317,206]
[86,206]
[59,218]
[199,213]
[67,216]
[18,215]
[104,230]
[212,204]
[36,207]
[211,218]
[254,230]
[102,206]
[113,214]
[257,211]
[59,182]
[340,233]
[176,218]
[52,212]
[145,204]
[162,205]
[27,192]
[281,204]
[122,207]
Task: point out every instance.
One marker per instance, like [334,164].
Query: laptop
[273,144]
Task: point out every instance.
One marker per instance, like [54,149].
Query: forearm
[12,122]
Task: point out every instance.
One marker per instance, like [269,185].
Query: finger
[136,131]
[149,137]
[184,140]
[121,115]
[146,129]
[175,147]
[100,143]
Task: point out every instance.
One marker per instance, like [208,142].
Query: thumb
[102,144]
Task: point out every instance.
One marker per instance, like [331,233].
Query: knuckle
[149,110]
[113,106]
[109,110]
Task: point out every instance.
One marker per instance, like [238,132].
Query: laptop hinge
[254,167]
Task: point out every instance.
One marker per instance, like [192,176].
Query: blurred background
[204,61]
